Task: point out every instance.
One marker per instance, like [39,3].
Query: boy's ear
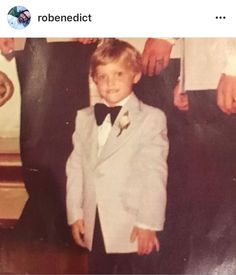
[94,79]
[137,77]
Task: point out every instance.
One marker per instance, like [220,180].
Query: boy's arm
[152,161]
[74,186]
[152,170]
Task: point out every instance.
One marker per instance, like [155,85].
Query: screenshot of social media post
[117,137]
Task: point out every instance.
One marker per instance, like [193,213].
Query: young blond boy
[117,172]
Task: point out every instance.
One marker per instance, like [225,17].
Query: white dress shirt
[105,128]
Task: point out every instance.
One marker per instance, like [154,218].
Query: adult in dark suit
[54,85]
[210,102]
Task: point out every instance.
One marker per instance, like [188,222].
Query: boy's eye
[101,77]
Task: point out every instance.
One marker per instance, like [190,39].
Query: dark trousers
[101,262]
[211,148]
[54,85]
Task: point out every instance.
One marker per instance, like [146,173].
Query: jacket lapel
[117,138]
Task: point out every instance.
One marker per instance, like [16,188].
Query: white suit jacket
[127,182]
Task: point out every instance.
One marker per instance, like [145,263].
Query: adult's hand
[226,94]
[180,99]
[6,45]
[87,40]
[156,55]
[6,88]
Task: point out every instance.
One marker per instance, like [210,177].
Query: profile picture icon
[18,17]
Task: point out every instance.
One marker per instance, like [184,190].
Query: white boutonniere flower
[124,123]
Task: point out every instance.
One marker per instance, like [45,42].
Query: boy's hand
[147,240]
[6,88]
[77,230]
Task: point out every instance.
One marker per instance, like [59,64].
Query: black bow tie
[101,111]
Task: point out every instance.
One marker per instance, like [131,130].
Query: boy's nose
[111,81]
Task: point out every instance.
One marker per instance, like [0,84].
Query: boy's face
[114,81]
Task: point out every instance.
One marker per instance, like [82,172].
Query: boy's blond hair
[115,50]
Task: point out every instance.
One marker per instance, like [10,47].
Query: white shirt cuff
[230,68]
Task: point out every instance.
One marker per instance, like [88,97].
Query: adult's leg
[54,85]
[212,154]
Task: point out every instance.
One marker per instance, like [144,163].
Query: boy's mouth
[112,91]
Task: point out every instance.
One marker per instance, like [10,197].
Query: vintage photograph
[117,155]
